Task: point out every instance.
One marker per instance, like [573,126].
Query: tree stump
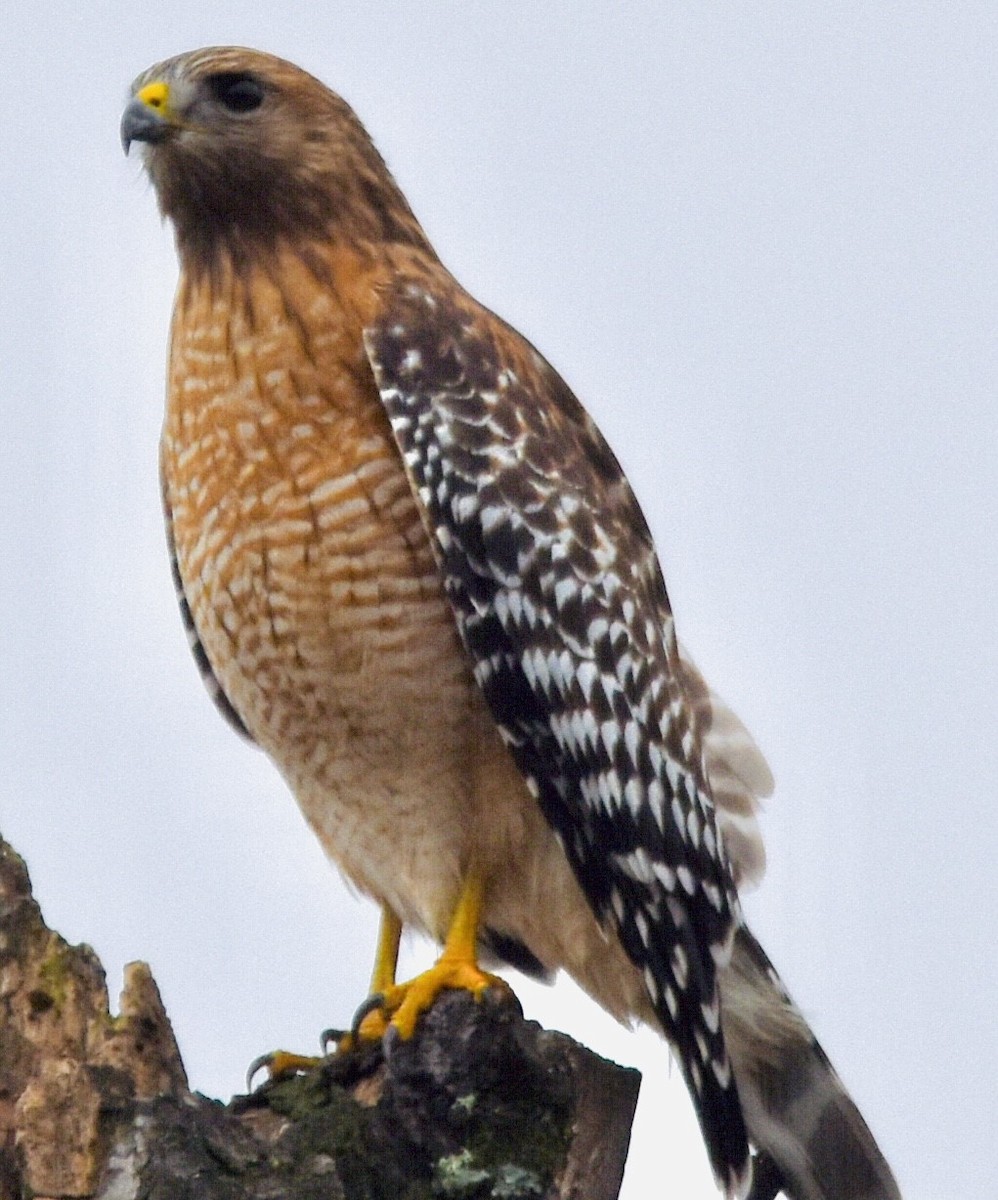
[479,1105]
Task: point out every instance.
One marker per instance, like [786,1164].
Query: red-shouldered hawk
[414,573]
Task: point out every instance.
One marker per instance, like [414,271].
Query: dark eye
[237,93]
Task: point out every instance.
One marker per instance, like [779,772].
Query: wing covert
[559,600]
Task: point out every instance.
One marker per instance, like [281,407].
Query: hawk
[413,572]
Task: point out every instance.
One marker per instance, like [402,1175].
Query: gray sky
[759,242]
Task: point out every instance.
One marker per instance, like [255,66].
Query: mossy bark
[479,1105]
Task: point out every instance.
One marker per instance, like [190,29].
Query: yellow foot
[369,1025]
[370,1022]
[406,1002]
[280,1064]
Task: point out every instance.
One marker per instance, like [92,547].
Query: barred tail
[797,1112]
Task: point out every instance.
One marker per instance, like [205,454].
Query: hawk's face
[246,151]
[236,146]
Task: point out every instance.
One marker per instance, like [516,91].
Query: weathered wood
[478,1104]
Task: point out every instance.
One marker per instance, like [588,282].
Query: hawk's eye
[237,93]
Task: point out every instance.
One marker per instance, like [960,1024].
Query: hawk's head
[246,150]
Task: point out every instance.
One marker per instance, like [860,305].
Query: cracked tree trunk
[479,1103]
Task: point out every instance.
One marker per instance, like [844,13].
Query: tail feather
[796,1109]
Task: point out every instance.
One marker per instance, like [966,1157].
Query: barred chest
[300,550]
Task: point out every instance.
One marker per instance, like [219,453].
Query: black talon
[331,1037]
[258,1064]
[369,1005]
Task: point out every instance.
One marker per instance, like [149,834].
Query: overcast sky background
[759,242]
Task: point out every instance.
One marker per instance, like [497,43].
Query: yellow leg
[404,1003]
[374,1025]
[462,937]
[457,966]
[387,955]
[282,1063]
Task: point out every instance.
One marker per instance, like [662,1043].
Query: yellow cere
[155,95]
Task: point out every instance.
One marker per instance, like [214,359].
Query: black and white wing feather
[560,602]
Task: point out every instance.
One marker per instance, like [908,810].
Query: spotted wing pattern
[559,600]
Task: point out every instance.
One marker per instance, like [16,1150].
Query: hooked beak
[147,117]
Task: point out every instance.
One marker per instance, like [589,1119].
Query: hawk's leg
[457,967]
[371,1023]
[400,1005]
[281,1063]
[387,955]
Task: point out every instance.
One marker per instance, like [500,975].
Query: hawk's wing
[559,600]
